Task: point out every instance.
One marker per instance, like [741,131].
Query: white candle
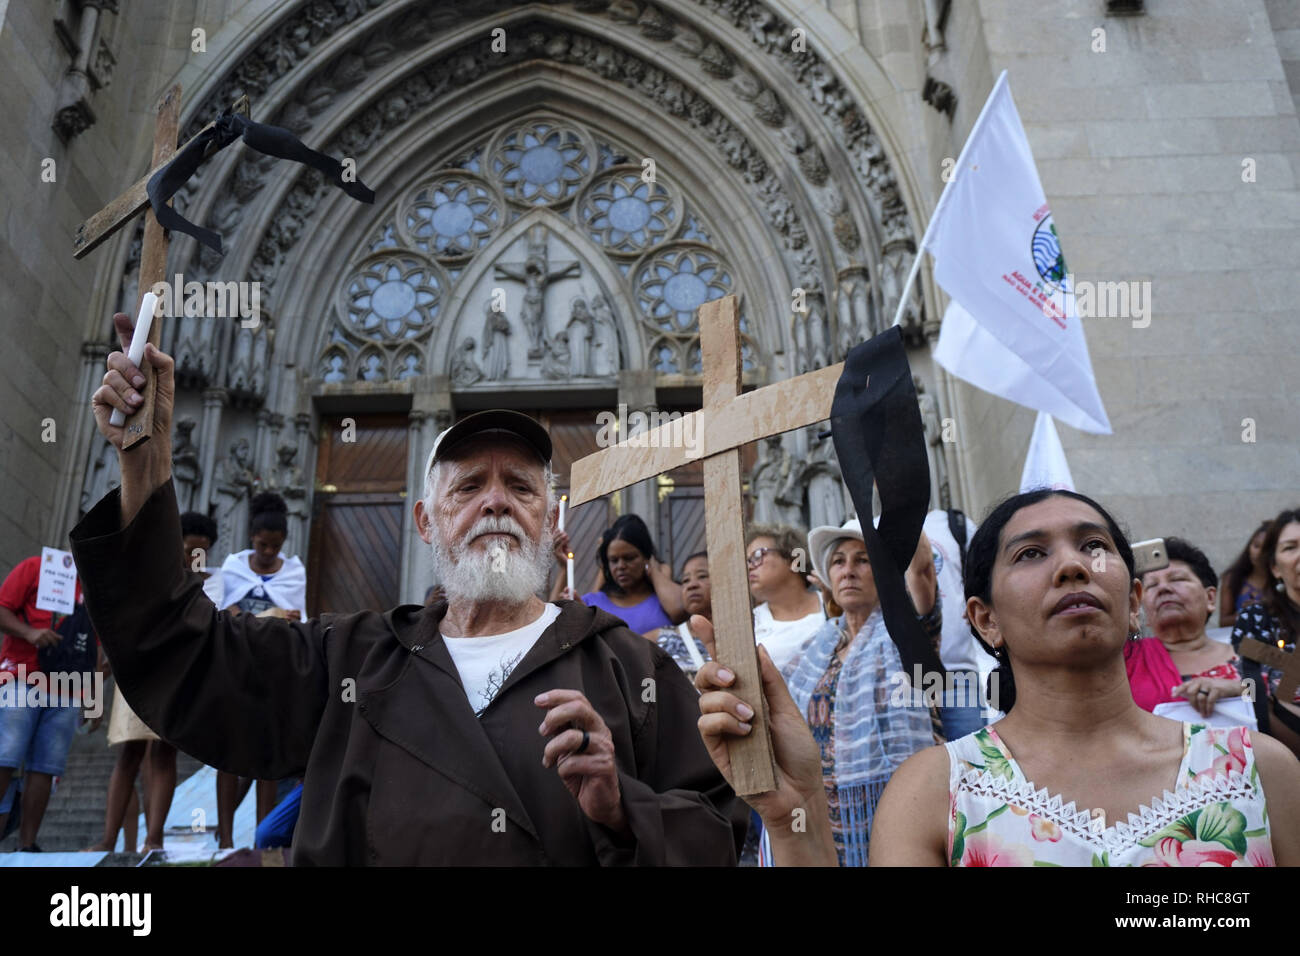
[571,591]
[564,504]
[139,338]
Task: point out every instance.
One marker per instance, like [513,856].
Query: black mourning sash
[879,438]
[230,126]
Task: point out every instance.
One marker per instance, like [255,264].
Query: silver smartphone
[1150,556]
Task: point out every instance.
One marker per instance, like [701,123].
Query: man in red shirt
[37,721]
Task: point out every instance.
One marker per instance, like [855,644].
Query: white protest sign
[57,590]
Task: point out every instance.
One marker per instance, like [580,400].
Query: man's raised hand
[147,465]
[123,386]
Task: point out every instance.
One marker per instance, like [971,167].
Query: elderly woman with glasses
[788,612]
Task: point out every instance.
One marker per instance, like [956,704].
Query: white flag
[1011,328]
[1045,465]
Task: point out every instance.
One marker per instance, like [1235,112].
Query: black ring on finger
[582,747]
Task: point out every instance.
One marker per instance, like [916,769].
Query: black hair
[1180,550]
[977,570]
[692,557]
[1241,568]
[197,523]
[633,530]
[269,513]
[1275,599]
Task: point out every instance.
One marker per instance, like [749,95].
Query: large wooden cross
[715,433]
[153,253]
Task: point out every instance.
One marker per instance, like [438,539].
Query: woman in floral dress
[1076,774]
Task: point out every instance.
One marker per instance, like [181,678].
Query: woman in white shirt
[789,611]
[264,581]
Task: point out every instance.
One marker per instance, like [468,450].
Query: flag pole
[938,207]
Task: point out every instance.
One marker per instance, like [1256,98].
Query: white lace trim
[1196,795]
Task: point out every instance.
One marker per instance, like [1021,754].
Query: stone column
[417,564]
[214,401]
[636,390]
[80,433]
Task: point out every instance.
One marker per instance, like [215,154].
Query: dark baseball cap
[518,424]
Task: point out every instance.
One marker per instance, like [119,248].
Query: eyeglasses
[755,559]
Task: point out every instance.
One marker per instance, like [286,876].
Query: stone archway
[797,171]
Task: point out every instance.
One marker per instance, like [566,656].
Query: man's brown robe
[398,770]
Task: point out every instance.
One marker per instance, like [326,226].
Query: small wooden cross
[715,433]
[153,253]
[1278,659]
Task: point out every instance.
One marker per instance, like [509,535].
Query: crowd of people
[823,631]
[414,736]
[260,580]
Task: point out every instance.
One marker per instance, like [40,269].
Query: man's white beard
[495,573]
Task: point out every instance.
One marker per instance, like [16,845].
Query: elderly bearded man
[489,728]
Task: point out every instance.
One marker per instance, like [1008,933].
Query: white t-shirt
[784,638]
[484,663]
[213,587]
[959,650]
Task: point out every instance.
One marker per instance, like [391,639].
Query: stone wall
[1141,149]
[44,292]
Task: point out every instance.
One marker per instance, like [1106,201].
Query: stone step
[74,818]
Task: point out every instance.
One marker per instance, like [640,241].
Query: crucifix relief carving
[536,274]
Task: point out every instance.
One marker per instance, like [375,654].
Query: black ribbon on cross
[230,126]
[879,439]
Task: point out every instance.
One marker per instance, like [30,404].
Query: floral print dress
[1216,815]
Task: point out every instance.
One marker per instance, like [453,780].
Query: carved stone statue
[770,484]
[235,470]
[464,370]
[821,476]
[580,329]
[288,476]
[102,476]
[496,347]
[894,268]
[605,358]
[557,362]
[536,275]
[233,487]
[939,489]
[185,462]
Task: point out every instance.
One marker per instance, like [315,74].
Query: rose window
[626,214]
[452,217]
[676,282]
[541,163]
[392,297]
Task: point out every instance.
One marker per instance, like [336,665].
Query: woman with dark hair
[263,581]
[679,642]
[1089,777]
[1245,580]
[635,585]
[1275,620]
